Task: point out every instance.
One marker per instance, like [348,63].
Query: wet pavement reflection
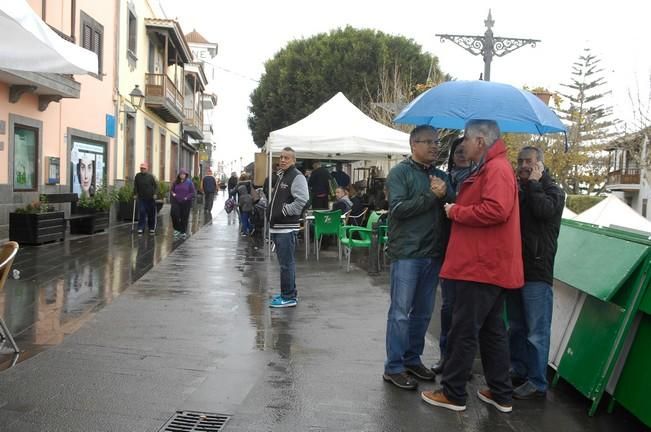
[63,284]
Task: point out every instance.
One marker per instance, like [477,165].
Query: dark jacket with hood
[541,208]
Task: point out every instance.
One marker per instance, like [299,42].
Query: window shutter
[87,43]
[97,47]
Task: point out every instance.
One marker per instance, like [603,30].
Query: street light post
[488,45]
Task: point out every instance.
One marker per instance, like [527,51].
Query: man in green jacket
[418,231]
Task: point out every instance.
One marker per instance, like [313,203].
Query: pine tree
[590,126]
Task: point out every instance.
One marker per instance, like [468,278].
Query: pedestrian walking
[182,192]
[209,188]
[529,309]
[288,202]
[484,259]
[232,182]
[145,188]
[417,232]
[245,204]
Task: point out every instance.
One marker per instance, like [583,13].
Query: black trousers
[208,200]
[477,318]
[320,203]
[180,214]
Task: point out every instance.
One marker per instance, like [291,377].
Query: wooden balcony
[162,97]
[193,123]
[626,179]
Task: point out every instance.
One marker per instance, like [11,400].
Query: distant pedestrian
[529,309]
[245,204]
[232,182]
[209,188]
[145,188]
[182,192]
[340,176]
[286,206]
[417,231]
[319,184]
[484,259]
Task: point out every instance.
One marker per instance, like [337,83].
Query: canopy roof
[615,213]
[28,44]
[339,130]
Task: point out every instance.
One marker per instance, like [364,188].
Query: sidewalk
[195,333]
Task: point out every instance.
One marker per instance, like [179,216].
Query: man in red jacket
[484,259]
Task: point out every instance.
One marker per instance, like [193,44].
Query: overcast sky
[251,32]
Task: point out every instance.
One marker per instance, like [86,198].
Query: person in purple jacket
[182,194]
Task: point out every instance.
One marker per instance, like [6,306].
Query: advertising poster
[87,168]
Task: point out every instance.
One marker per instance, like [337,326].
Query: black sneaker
[421,372]
[402,380]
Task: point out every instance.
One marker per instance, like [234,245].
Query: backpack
[229,205]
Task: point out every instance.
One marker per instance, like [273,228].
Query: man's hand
[438,186]
[447,208]
[536,171]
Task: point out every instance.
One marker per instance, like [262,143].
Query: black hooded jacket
[541,208]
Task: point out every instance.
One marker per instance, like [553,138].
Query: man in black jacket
[530,309]
[288,200]
[145,188]
[319,186]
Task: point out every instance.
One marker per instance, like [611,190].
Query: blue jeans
[285,249]
[448,296]
[529,311]
[146,212]
[413,282]
[245,220]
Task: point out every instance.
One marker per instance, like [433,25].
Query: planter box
[90,224]
[36,228]
[125,211]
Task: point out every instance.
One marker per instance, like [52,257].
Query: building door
[161,158]
[130,147]
[174,159]
[25,158]
[149,147]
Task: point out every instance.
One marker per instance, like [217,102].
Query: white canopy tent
[568,214]
[339,130]
[614,212]
[28,44]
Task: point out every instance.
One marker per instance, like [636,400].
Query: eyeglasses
[429,142]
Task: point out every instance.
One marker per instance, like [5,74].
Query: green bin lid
[596,261]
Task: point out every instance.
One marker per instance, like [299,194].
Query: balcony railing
[162,96]
[193,119]
[624,177]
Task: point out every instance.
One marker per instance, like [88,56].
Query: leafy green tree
[590,126]
[308,72]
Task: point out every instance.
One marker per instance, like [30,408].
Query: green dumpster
[610,270]
[635,379]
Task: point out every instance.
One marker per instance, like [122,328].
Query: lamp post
[137,96]
[488,45]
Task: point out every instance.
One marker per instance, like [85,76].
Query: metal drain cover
[192,421]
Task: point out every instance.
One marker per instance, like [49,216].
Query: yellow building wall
[129,76]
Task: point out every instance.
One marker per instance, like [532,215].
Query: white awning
[28,44]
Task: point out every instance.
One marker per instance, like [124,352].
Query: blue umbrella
[451,104]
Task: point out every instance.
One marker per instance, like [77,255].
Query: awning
[28,44]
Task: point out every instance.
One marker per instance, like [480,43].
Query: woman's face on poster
[85,174]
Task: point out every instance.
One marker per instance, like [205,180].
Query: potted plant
[163,194]
[97,207]
[36,223]
[125,203]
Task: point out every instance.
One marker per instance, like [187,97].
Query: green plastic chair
[325,223]
[351,236]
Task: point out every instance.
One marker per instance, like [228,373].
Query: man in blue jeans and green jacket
[417,233]
[288,200]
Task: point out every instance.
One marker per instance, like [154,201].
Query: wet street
[131,329]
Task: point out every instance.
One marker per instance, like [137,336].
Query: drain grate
[192,421]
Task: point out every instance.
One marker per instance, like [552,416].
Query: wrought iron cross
[488,45]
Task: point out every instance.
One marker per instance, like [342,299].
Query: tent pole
[269,188]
